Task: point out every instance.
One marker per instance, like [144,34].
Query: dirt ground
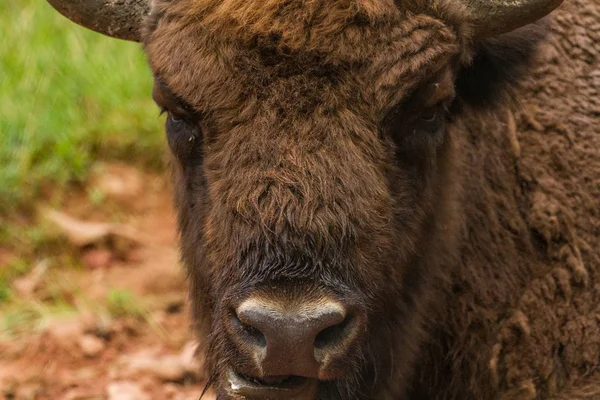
[92,354]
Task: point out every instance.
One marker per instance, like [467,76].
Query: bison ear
[121,19]
[499,65]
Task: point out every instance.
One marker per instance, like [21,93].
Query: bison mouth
[271,387]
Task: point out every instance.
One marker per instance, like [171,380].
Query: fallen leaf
[26,285]
[125,391]
[82,394]
[82,233]
[91,346]
[66,331]
[118,181]
[165,367]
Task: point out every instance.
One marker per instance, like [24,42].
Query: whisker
[208,385]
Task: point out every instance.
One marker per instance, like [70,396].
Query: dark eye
[174,117]
[175,107]
[418,127]
[430,114]
[431,121]
[184,137]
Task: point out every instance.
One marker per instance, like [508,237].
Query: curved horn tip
[121,19]
[495,17]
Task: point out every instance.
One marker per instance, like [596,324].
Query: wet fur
[473,261]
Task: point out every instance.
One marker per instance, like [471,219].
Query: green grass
[122,303]
[25,316]
[68,95]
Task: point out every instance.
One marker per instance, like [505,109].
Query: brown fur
[475,256]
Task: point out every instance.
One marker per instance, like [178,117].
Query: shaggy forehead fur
[209,50]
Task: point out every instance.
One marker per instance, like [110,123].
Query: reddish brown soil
[54,364]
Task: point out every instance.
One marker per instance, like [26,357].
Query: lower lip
[241,387]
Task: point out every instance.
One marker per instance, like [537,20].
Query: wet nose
[300,340]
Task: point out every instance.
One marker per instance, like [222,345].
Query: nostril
[285,337]
[333,334]
[251,333]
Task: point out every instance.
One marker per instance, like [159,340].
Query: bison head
[312,151]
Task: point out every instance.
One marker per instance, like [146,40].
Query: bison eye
[431,120]
[429,114]
[184,137]
[175,118]
[174,115]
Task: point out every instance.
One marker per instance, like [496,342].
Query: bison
[382,199]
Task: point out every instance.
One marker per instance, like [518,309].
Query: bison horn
[121,19]
[494,17]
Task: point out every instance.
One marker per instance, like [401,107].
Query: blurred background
[92,299]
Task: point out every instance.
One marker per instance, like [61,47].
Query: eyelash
[164,110]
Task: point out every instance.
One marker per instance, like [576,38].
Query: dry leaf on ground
[82,233]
